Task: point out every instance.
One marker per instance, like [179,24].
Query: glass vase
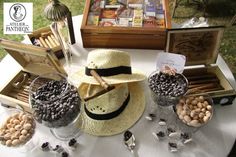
[56,104]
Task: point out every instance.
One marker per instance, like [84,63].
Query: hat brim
[116,79]
[123,121]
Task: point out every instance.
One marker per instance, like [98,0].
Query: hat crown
[102,59]
[110,101]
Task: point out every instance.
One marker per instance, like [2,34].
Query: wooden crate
[124,37]
[200,46]
[46,34]
[35,61]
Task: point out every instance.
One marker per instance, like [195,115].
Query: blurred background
[218,12]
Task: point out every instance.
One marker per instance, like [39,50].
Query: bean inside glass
[55,104]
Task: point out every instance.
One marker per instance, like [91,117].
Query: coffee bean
[173,145]
[127,135]
[160,134]
[185,135]
[58,149]
[45,146]
[52,103]
[64,154]
[170,130]
[167,85]
[72,142]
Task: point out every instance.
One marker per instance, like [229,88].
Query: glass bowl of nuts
[166,88]
[17,130]
[194,111]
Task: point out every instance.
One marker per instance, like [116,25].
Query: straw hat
[113,112]
[112,65]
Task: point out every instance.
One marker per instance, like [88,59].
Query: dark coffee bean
[127,135]
[58,149]
[72,142]
[64,154]
[45,146]
[162,120]
[185,136]
[160,134]
[170,130]
[172,145]
[152,115]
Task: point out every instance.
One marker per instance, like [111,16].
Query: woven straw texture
[106,58]
[109,102]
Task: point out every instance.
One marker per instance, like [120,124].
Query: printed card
[175,61]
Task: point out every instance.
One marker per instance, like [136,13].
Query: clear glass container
[62,27]
[162,98]
[15,132]
[159,132]
[56,104]
[203,117]
[207,111]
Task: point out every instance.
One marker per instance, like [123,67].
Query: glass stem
[64,45]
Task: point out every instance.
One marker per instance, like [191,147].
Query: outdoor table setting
[214,139]
[115,102]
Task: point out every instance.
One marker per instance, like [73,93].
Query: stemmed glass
[56,104]
[165,99]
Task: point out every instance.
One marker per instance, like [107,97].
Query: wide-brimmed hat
[113,112]
[113,66]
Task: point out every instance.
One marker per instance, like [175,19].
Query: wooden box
[35,61]
[150,34]
[44,37]
[200,46]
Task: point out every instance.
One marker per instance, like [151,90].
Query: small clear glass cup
[56,104]
[159,132]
